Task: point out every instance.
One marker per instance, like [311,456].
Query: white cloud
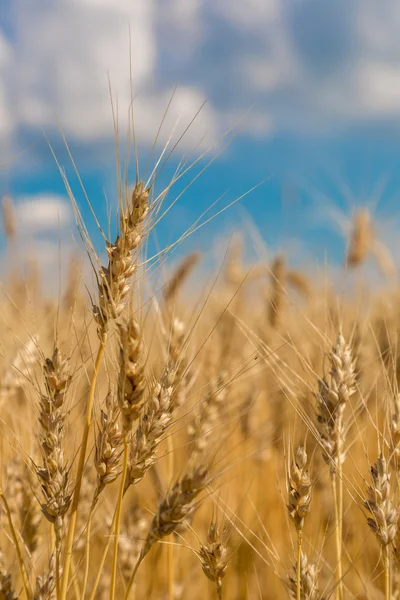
[44,239]
[6,125]
[304,64]
[379,86]
[38,214]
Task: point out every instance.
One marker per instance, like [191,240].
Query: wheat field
[238,442]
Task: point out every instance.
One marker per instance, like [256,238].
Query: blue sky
[322,78]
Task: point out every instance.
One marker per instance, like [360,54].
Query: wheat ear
[299,492]
[307,574]
[333,396]
[172,512]
[383,515]
[53,475]
[213,557]
[131,388]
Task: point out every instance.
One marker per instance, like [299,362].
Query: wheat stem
[81,465]
[339,590]
[87,550]
[339,524]
[58,550]
[132,578]
[171,553]
[219,590]
[24,574]
[387,572]
[75,582]
[298,583]
[118,520]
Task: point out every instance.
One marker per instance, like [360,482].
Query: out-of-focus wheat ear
[178,278]
[71,289]
[131,379]
[30,514]
[277,294]
[299,501]
[202,428]
[14,485]
[88,493]
[383,258]
[114,279]
[361,238]
[214,558]
[177,346]
[307,573]
[18,373]
[7,591]
[46,583]
[234,263]
[172,511]
[133,531]
[394,442]
[177,352]
[299,282]
[8,213]
[383,515]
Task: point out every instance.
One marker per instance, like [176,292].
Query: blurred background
[309,91]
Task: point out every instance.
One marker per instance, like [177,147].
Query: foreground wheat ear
[115,278]
[113,286]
